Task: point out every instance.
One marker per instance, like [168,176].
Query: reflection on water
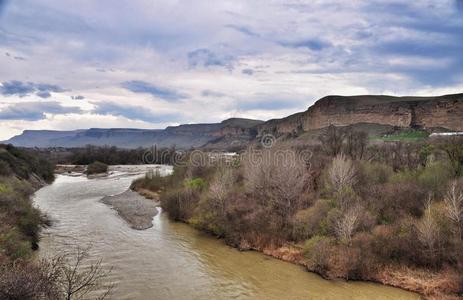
[171,260]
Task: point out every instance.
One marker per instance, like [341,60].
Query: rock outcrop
[430,113]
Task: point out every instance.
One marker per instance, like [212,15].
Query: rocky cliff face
[444,112]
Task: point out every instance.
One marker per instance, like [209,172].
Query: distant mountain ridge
[440,113]
[182,136]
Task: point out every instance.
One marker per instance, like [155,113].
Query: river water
[172,260]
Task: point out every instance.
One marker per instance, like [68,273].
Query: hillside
[21,173]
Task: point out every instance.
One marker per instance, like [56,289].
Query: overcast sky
[148,64]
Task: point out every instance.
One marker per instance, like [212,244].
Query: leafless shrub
[428,231]
[277,178]
[61,277]
[454,206]
[341,173]
[220,186]
[345,227]
[21,280]
[77,280]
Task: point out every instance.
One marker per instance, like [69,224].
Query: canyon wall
[444,112]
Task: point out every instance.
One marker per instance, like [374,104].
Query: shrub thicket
[353,210]
[97,168]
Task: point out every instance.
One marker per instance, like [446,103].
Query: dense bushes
[353,215]
[21,172]
[20,222]
[24,164]
[97,168]
[111,155]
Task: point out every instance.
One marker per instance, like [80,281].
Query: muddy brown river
[172,260]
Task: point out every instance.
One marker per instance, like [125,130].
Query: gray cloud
[207,58]
[34,111]
[138,86]
[133,112]
[209,93]
[22,89]
[312,44]
[243,29]
[247,71]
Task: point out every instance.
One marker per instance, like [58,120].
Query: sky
[148,64]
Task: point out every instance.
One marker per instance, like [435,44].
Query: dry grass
[432,285]
[148,194]
[288,253]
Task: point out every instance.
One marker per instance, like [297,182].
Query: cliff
[429,113]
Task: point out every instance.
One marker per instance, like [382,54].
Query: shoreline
[289,253]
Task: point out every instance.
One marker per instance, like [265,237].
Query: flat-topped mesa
[445,112]
[182,136]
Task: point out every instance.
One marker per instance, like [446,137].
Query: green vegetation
[117,156]
[97,168]
[21,173]
[404,136]
[24,164]
[387,213]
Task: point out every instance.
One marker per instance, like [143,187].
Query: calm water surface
[171,260]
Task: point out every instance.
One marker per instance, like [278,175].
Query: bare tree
[428,230]
[454,206]
[61,277]
[78,279]
[342,173]
[332,140]
[346,225]
[355,143]
[220,186]
[277,177]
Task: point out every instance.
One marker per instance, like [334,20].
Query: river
[172,260]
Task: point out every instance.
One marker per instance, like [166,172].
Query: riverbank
[133,208]
[423,282]
[401,278]
[340,216]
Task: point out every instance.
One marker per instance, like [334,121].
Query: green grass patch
[4,188]
[409,135]
[196,183]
